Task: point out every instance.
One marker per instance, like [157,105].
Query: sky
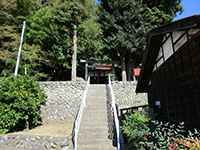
[98,1]
[190,7]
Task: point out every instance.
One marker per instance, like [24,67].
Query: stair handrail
[116,120]
[79,115]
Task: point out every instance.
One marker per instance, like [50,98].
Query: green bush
[20,101]
[135,128]
[144,134]
[161,134]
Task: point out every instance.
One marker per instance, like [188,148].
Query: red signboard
[136,72]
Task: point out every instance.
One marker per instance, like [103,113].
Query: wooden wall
[176,84]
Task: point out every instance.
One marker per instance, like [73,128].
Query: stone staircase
[93,133]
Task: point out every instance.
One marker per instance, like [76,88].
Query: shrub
[143,133]
[187,143]
[20,101]
[161,134]
[135,128]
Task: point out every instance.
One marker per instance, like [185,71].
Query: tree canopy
[47,47]
[112,30]
[126,22]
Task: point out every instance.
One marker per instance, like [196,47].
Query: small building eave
[154,40]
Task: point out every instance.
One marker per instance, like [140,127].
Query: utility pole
[86,70]
[123,66]
[20,49]
[74,55]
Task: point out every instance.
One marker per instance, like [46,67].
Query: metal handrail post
[79,117]
[117,126]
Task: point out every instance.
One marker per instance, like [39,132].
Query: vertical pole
[25,71]
[86,70]
[20,49]
[124,78]
[74,56]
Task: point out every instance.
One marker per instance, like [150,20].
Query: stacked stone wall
[63,99]
[125,95]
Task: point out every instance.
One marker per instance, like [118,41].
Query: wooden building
[99,73]
[171,70]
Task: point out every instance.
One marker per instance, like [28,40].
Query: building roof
[104,67]
[154,41]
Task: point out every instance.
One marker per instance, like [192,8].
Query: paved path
[93,133]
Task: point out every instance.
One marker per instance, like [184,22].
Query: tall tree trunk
[129,66]
[129,70]
[123,64]
[74,56]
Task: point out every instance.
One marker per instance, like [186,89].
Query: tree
[170,7]
[74,54]
[48,39]
[125,23]
[11,16]
[52,28]
[90,40]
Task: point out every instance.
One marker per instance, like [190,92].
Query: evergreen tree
[125,23]
[90,37]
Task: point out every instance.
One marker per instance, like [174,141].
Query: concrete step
[95,109]
[100,100]
[103,133]
[92,121]
[94,140]
[97,147]
[94,124]
[98,114]
[93,133]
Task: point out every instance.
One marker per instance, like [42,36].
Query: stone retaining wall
[30,142]
[125,95]
[63,99]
